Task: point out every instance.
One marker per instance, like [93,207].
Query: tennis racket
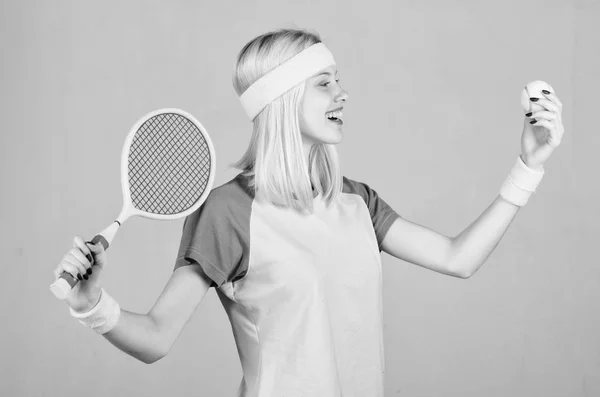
[167,171]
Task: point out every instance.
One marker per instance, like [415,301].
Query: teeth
[337,114]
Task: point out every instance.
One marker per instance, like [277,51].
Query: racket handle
[66,282]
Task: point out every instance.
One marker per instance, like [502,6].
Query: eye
[326,84]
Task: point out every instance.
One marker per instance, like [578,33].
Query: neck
[306,148]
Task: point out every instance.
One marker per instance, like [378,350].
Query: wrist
[530,165]
[101,318]
[520,183]
[89,302]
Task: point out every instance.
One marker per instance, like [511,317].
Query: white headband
[284,77]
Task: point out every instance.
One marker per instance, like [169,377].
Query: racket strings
[169,165]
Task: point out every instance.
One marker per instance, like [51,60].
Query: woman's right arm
[147,337]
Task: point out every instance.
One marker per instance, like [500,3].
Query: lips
[335,116]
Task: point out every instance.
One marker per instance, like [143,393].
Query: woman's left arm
[463,255]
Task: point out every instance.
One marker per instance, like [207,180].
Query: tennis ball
[534,89]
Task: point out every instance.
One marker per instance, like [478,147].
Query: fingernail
[534,99]
[85,276]
[89,271]
[528,114]
[533,122]
[89,258]
[79,277]
[545,92]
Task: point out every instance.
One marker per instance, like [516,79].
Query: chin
[327,135]
[333,140]
[331,136]
[328,140]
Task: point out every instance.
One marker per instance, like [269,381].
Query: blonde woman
[291,246]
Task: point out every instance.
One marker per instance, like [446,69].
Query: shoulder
[370,196]
[233,193]
[382,214]
[352,186]
[231,199]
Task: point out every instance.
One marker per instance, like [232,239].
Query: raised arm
[463,255]
[460,256]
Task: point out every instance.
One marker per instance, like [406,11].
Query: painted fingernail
[89,271]
[534,99]
[528,114]
[79,277]
[545,92]
[533,122]
[89,258]
[85,276]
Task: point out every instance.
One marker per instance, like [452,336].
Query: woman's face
[321,117]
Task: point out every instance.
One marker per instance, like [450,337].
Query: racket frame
[128,209]
[61,287]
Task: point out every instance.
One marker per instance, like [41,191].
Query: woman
[291,246]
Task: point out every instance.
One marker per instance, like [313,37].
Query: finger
[69,265]
[545,103]
[553,97]
[76,257]
[58,271]
[554,137]
[542,115]
[79,243]
[77,262]
[96,249]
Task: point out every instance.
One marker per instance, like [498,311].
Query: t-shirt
[302,291]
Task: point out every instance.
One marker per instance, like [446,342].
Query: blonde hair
[274,161]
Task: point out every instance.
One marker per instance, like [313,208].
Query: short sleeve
[382,215]
[215,237]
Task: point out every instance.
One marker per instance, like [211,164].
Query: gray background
[433,123]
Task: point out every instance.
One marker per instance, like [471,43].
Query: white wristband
[103,317]
[520,183]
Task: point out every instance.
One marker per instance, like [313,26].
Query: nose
[342,96]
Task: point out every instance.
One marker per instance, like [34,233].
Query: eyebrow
[327,73]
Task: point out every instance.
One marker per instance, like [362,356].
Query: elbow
[151,358]
[464,272]
[159,352]
[160,345]
[151,355]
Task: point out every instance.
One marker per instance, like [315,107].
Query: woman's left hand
[541,138]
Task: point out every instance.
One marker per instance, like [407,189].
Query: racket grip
[66,282]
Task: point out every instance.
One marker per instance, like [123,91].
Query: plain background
[433,123]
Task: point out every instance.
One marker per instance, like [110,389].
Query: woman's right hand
[84,262]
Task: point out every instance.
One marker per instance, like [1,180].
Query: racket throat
[106,236]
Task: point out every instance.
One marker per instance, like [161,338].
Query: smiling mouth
[335,116]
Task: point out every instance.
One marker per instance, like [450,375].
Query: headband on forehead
[284,77]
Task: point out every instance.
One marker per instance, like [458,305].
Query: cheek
[302,123]
[311,118]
